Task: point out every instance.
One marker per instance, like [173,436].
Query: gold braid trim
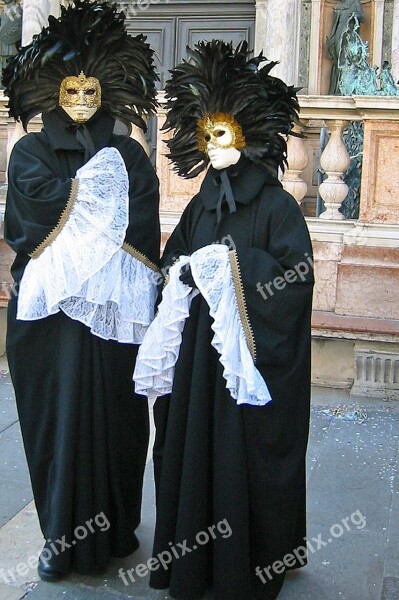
[167,277]
[166,281]
[140,256]
[242,304]
[61,222]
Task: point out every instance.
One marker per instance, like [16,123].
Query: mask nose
[82,98]
[211,145]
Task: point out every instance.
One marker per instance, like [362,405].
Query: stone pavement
[353,512]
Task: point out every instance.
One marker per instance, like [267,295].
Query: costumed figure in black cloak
[82,216]
[228,354]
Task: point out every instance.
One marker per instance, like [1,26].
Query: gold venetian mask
[80,96]
[219,130]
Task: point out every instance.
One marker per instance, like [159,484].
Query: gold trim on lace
[166,278]
[242,304]
[62,220]
[140,256]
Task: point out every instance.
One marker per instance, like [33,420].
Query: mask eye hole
[90,92]
[71,91]
[219,133]
[207,137]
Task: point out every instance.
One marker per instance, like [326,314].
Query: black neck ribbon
[84,138]
[225,193]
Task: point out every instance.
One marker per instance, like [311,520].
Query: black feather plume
[89,37]
[218,78]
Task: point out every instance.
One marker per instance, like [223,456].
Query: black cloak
[85,431]
[217,462]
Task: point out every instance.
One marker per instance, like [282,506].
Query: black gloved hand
[187,277]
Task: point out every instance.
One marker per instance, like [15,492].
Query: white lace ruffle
[211,270]
[157,356]
[117,303]
[84,271]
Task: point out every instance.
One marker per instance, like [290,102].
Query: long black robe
[85,431]
[217,461]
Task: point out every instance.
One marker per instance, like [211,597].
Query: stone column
[315,51]
[35,16]
[395,41]
[277,34]
[379,6]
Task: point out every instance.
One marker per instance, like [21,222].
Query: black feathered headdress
[219,79]
[89,37]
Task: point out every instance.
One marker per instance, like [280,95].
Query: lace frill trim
[84,270]
[118,302]
[211,270]
[155,364]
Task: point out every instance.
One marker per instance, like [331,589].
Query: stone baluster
[335,162]
[297,159]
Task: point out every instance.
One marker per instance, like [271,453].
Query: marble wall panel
[380,185]
[368,291]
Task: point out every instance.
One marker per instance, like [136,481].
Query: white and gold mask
[219,130]
[80,97]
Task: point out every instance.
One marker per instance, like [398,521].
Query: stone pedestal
[367,282]
[355,323]
[332,355]
[380,186]
[376,371]
[357,268]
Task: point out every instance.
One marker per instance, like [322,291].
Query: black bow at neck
[83,136]
[65,134]
[240,183]
[222,181]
